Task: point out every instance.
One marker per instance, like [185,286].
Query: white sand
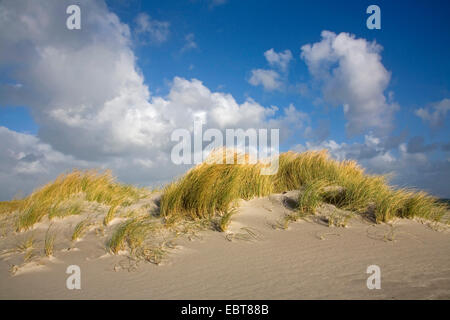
[308,261]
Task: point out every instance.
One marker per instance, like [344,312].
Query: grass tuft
[9,206]
[225,220]
[27,244]
[56,199]
[210,189]
[26,247]
[132,234]
[49,242]
[80,229]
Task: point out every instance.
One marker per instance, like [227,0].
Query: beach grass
[207,197]
[132,233]
[27,244]
[211,189]
[12,206]
[49,242]
[56,199]
[81,228]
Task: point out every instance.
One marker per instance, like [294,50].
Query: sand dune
[254,259]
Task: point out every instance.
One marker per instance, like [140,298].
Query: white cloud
[341,151]
[435,114]
[190,98]
[89,99]
[93,108]
[280,60]
[269,79]
[151,30]
[353,76]
[27,162]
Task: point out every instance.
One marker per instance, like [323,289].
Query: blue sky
[221,43]
[232,38]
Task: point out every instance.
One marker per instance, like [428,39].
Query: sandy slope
[309,260]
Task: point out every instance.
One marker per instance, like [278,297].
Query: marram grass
[49,242]
[81,228]
[212,189]
[207,195]
[132,233]
[9,206]
[56,199]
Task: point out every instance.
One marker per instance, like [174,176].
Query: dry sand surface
[254,259]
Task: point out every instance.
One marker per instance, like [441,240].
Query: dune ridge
[88,216]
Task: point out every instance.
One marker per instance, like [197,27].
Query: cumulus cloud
[89,98]
[352,75]
[269,79]
[280,60]
[26,161]
[435,114]
[150,30]
[371,147]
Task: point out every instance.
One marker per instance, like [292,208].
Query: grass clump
[311,196]
[49,242]
[80,229]
[26,247]
[145,239]
[225,220]
[9,206]
[110,215]
[210,189]
[132,234]
[65,209]
[54,199]
[220,222]
[26,244]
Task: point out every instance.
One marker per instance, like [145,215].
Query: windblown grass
[9,206]
[80,229]
[132,233]
[210,189]
[143,237]
[49,242]
[225,220]
[65,209]
[206,197]
[27,244]
[26,247]
[54,199]
[312,196]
